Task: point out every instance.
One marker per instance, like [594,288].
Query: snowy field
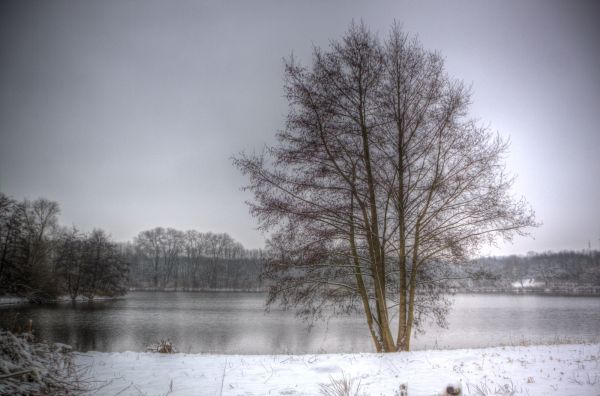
[533,370]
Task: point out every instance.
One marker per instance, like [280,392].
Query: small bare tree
[105,271]
[70,260]
[379,183]
[148,245]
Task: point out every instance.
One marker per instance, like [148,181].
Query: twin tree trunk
[379,182]
[380,329]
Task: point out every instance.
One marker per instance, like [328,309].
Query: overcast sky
[128,112]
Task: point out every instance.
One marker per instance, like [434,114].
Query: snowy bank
[28,367]
[10,300]
[13,300]
[533,370]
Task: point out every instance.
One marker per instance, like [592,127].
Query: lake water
[236,323]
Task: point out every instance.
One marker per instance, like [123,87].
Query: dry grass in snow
[518,370]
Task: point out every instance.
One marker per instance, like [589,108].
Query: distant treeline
[41,260]
[170,259]
[189,260]
[562,272]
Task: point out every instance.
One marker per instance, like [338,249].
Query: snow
[527,283]
[9,300]
[31,368]
[528,370]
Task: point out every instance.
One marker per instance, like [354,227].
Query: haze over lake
[236,323]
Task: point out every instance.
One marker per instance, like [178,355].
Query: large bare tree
[379,182]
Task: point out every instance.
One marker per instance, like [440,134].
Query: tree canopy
[379,181]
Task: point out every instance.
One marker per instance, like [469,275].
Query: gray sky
[127,112]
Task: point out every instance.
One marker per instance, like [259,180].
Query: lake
[236,323]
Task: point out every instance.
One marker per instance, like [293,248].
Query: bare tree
[39,222]
[379,183]
[193,253]
[40,260]
[41,219]
[148,245]
[171,245]
[12,268]
[70,260]
[105,271]
[192,259]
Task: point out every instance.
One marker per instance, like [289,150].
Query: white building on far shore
[528,283]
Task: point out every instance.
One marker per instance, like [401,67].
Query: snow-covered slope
[534,370]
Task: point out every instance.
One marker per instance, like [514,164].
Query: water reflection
[237,323]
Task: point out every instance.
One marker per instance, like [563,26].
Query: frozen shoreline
[10,300]
[572,369]
[22,300]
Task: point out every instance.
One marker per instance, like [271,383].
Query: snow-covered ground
[9,300]
[532,370]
